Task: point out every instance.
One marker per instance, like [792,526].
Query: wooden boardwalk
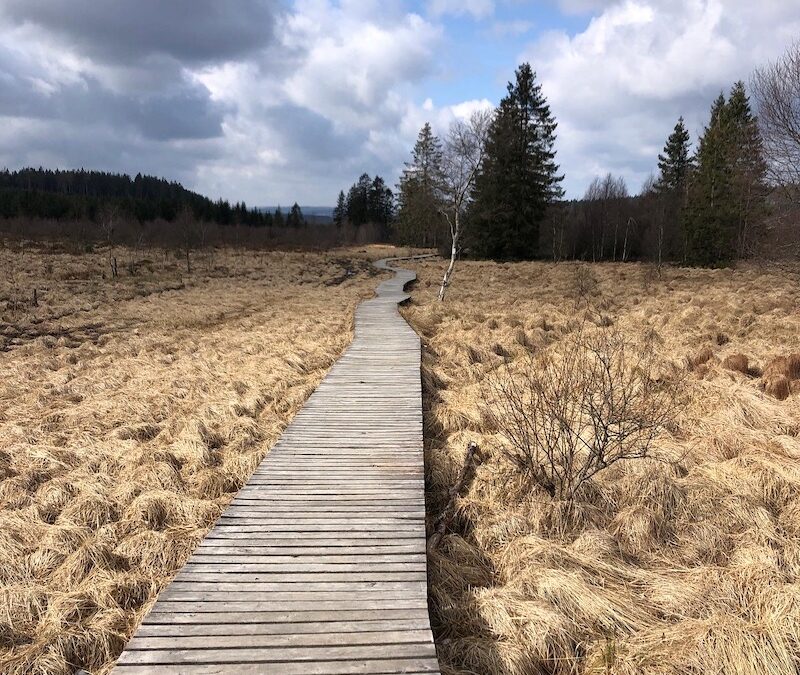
[318,565]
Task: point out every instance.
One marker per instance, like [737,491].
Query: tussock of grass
[130,413]
[688,563]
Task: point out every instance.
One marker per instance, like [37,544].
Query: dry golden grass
[130,413]
[690,565]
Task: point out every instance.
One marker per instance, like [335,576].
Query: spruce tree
[675,166]
[519,178]
[748,169]
[675,162]
[340,210]
[358,200]
[380,205]
[728,193]
[710,224]
[419,199]
[295,218]
[277,218]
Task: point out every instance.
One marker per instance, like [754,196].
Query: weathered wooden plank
[409,666]
[207,548]
[320,588]
[299,566]
[278,654]
[254,640]
[316,599]
[158,615]
[326,559]
[299,577]
[299,628]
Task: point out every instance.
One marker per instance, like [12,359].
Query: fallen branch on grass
[472,460]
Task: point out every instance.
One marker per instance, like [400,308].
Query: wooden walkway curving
[318,565]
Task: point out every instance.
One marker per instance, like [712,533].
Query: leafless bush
[651,274]
[584,284]
[590,401]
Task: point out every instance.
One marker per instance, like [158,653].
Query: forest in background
[490,189]
[710,204]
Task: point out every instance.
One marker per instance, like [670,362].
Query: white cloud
[479,9]
[617,87]
[337,109]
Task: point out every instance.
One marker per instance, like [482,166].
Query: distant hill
[81,194]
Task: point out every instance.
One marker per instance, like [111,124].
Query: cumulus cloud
[618,87]
[336,107]
[241,99]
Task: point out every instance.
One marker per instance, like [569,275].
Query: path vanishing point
[318,565]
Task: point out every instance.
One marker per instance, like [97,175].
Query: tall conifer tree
[519,177]
[419,198]
[728,192]
[748,170]
[675,163]
[675,166]
[340,210]
[710,225]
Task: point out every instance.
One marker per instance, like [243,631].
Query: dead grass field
[130,412]
[687,564]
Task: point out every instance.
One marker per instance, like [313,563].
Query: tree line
[708,205]
[89,195]
[369,200]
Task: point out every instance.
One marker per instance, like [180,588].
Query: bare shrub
[592,400]
[584,284]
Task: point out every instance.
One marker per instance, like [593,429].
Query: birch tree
[461,161]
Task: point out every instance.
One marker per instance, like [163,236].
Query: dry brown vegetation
[130,412]
[687,561]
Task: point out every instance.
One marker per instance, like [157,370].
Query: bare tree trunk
[625,243]
[616,231]
[454,232]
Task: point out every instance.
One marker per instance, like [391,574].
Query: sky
[273,102]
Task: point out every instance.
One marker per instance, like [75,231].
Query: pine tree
[340,210]
[358,201]
[676,162]
[748,169]
[728,193]
[675,166]
[295,218]
[419,200]
[380,206]
[519,177]
[277,218]
[710,224]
